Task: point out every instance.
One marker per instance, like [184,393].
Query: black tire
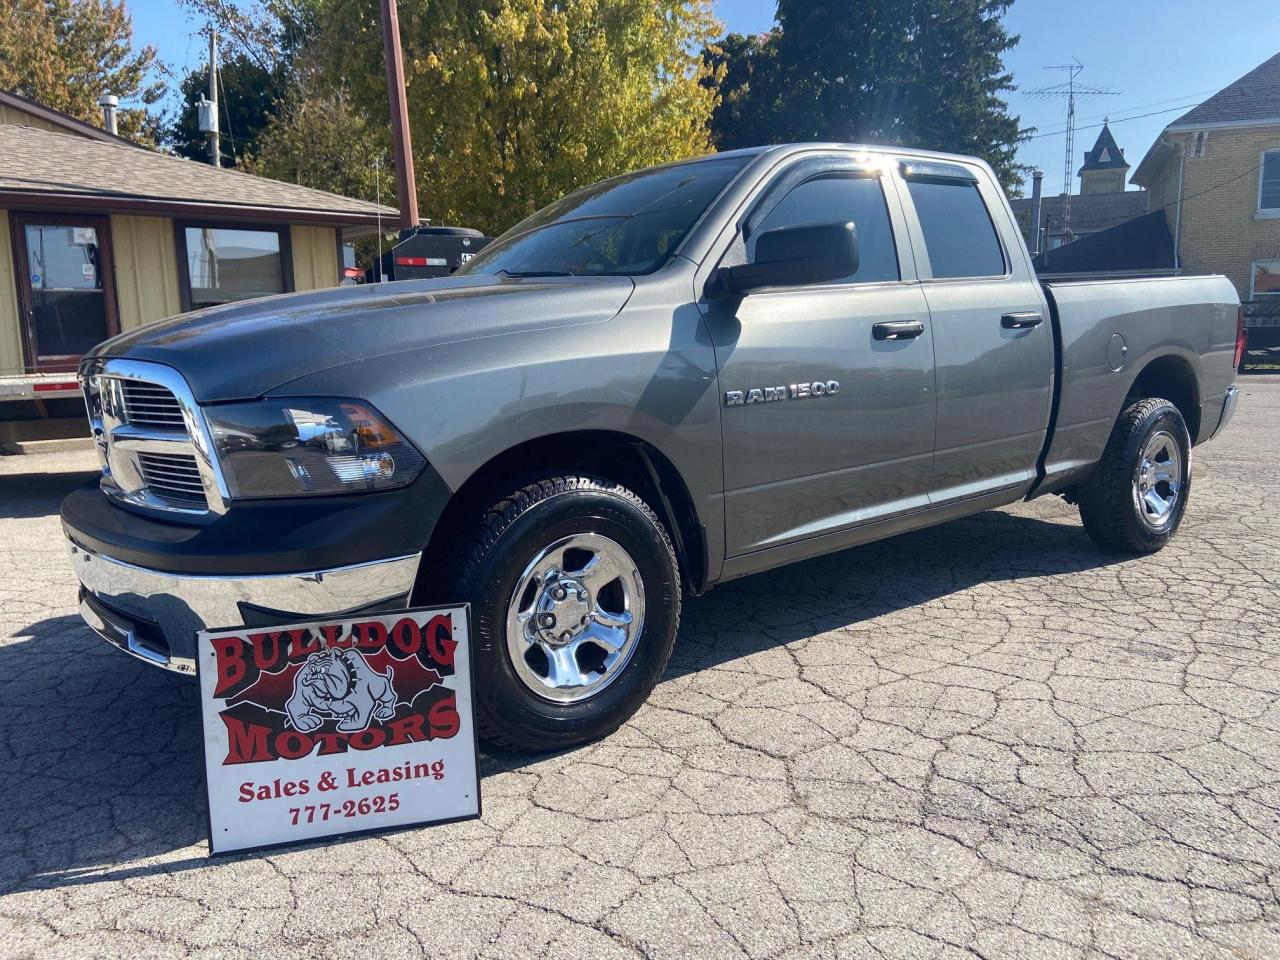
[1110,502]
[511,533]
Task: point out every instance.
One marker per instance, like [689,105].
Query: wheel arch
[613,455]
[1169,377]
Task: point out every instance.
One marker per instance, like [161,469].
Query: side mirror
[794,256]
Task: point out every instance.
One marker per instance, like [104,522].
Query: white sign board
[337,726]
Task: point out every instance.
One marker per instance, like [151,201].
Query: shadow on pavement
[100,756]
[38,494]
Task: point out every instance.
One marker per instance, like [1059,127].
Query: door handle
[897,330]
[1021,321]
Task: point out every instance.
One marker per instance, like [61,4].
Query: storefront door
[65,287]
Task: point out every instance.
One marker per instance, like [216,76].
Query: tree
[249,98]
[65,54]
[513,103]
[741,68]
[919,73]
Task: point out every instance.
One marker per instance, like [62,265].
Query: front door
[828,415]
[65,288]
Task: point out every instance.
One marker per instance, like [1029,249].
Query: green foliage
[65,54]
[248,100]
[918,73]
[512,103]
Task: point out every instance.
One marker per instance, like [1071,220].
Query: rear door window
[958,233]
[838,199]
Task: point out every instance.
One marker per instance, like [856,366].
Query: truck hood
[241,351]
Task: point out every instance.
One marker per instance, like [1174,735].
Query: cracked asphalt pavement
[986,739]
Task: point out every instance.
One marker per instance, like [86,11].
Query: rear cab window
[957,230]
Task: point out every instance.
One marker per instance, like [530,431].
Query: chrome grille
[173,476]
[152,440]
[151,405]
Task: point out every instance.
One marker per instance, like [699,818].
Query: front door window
[66,289]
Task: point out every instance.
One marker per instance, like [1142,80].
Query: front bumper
[154,615]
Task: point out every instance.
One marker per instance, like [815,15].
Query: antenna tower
[1069,90]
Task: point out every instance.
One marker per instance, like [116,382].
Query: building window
[1197,147]
[1266,278]
[225,264]
[1269,185]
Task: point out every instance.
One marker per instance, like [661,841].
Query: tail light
[1241,337]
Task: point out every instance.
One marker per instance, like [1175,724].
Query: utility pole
[1069,90]
[406,185]
[207,109]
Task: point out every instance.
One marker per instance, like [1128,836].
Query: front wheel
[1138,494]
[575,596]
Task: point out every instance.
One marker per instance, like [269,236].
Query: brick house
[1215,175]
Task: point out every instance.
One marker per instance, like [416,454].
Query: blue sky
[1162,56]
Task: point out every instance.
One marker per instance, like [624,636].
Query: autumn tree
[65,54]
[512,103]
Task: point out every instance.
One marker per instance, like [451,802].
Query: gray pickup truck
[659,383]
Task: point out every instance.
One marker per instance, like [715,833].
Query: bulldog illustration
[339,683]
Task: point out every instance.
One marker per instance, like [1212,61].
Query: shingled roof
[61,169]
[1105,155]
[1089,211]
[1254,98]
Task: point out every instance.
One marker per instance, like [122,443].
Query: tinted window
[836,200]
[958,232]
[628,225]
[225,265]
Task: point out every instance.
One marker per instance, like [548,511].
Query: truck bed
[1108,333]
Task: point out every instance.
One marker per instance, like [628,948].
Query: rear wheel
[1136,498]
[575,596]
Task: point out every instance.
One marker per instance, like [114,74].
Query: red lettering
[405,637]
[440,642]
[229,652]
[444,718]
[268,652]
[333,636]
[329,742]
[246,792]
[370,635]
[246,742]
[407,730]
[304,643]
[368,739]
[293,745]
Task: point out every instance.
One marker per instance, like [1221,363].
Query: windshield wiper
[534,273]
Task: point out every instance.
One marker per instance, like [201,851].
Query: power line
[1094,126]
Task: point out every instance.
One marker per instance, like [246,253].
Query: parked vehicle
[659,383]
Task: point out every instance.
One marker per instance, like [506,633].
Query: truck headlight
[296,446]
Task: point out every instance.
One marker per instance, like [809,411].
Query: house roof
[1141,244]
[66,170]
[1089,211]
[57,118]
[1254,98]
[1105,155]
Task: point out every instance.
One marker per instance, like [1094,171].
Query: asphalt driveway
[985,739]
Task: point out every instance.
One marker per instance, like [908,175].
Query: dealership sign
[337,726]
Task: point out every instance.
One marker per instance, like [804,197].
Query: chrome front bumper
[154,615]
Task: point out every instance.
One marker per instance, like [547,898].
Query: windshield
[628,225]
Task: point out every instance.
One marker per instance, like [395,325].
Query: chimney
[1037,178]
[108,103]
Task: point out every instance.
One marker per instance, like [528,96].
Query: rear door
[992,338]
[65,287]
[824,425]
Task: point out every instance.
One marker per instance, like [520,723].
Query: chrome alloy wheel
[1157,481]
[575,617]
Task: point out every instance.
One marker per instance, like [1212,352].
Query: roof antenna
[1069,90]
